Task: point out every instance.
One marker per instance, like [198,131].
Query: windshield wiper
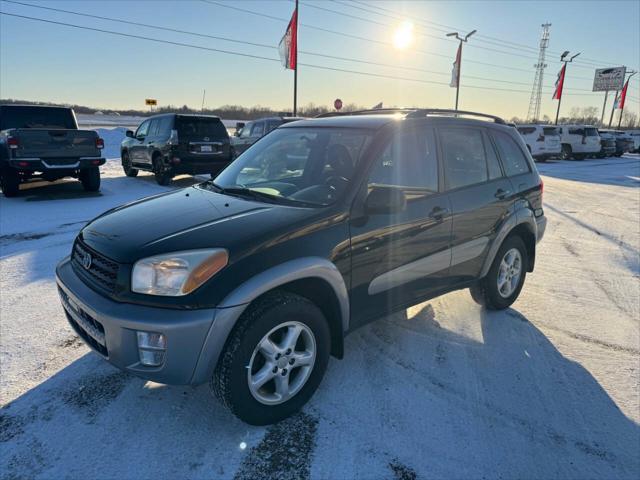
[258,195]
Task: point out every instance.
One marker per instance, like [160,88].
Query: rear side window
[200,127]
[36,117]
[258,129]
[576,131]
[165,124]
[526,130]
[493,165]
[513,158]
[465,161]
[550,131]
[409,161]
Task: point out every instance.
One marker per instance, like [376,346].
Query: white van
[543,141]
[579,141]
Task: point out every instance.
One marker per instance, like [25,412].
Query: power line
[257,57]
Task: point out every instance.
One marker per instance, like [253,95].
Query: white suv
[543,141]
[579,141]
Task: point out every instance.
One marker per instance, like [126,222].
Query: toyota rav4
[250,281]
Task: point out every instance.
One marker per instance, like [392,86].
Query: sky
[50,62]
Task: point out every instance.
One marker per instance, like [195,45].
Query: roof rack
[419,112]
[414,113]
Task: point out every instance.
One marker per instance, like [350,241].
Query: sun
[403,36]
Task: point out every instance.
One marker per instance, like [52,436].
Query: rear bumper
[541,224]
[110,327]
[50,164]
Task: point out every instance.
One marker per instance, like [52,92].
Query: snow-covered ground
[547,389]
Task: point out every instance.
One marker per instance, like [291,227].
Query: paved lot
[549,388]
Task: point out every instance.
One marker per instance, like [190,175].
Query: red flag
[455,71]
[623,96]
[557,94]
[288,46]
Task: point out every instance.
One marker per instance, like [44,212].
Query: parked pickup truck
[44,142]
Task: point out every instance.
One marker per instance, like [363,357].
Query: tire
[273,314]
[566,152]
[487,292]
[163,176]
[129,171]
[10,182]
[579,157]
[90,178]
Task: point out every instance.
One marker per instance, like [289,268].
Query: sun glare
[403,36]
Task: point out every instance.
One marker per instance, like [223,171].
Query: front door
[137,148]
[399,258]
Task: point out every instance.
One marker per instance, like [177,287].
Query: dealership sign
[609,79]
[150,101]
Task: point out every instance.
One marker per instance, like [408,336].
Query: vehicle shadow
[491,398]
[623,171]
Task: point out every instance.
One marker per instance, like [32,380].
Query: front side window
[246,130]
[258,129]
[513,159]
[409,162]
[297,165]
[465,161]
[143,129]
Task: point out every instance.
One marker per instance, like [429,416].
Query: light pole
[459,59]
[564,74]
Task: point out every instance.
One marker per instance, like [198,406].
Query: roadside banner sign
[337,104]
[607,79]
[150,101]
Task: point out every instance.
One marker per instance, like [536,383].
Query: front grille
[101,270]
[87,327]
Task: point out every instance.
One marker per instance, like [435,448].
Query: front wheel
[565,153]
[127,166]
[90,178]
[274,359]
[10,182]
[502,285]
[162,174]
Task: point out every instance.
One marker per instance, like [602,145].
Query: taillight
[540,138]
[99,143]
[13,142]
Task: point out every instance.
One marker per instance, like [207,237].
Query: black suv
[249,133]
[171,144]
[320,227]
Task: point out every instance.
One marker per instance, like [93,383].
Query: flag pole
[459,70]
[458,62]
[295,72]
[613,109]
[564,76]
[625,87]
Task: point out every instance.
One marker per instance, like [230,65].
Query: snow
[549,388]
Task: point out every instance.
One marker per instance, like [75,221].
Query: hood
[186,219]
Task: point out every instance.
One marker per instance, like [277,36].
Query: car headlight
[178,273]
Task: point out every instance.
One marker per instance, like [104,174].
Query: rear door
[480,195]
[398,259]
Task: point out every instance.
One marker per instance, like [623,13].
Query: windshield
[298,165]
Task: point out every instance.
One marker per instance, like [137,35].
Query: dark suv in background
[249,133]
[172,144]
[322,226]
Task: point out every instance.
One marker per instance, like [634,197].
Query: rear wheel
[90,178]
[129,171]
[274,359]
[10,182]
[566,152]
[502,285]
[163,175]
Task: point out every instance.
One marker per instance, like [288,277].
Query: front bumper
[50,164]
[109,328]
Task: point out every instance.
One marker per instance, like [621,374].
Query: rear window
[591,132]
[550,131]
[36,117]
[201,127]
[526,130]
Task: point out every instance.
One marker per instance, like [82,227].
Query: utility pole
[204,92]
[459,59]
[564,75]
[632,73]
[613,108]
[536,92]
[604,106]
[295,71]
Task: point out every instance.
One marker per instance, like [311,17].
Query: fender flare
[235,303]
[522,216]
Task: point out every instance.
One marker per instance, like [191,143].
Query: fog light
[151,358]
[151,348]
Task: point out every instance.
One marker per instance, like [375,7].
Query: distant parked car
[579,141]
[171,144]
[543,141]
[624,142]
[607,144]
[248,133]
[635,135]
[45,143]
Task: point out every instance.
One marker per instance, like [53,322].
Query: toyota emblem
[86,261]
[206,139]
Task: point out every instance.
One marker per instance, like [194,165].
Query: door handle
[437,213]
[502,194]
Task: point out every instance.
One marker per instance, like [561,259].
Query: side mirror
[385,200]
[237,132]
[129,133]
